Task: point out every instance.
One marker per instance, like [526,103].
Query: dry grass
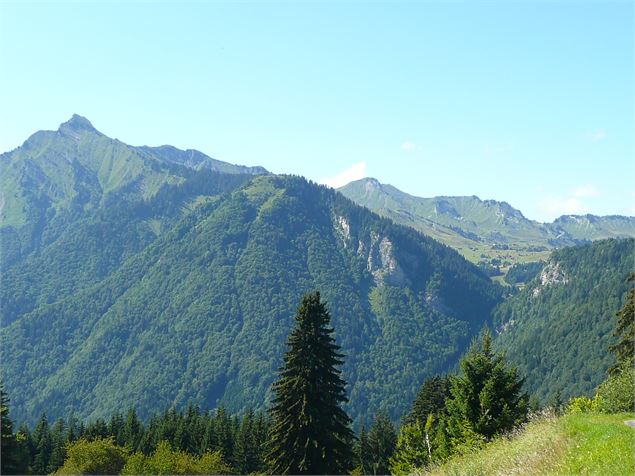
[573,444]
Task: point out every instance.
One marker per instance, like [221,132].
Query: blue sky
[527,102]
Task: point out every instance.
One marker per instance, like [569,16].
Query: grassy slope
[573,444]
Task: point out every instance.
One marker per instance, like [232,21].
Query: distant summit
[77,122]
[488,232]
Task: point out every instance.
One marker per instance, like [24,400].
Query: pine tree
[9,448]
[411,451]
[132,430]
[362,452]
[624,349]
[43,446]
[246,454]
[382,439]
[58,445]
[430,400]
[310,432]
[487,398]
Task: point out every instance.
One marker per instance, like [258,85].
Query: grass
[591,444]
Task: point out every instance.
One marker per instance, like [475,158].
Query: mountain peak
[77,123]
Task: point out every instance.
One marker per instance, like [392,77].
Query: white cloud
[598,135]
[408,146]
[586,191]
[556,206]
[354,172]
[571,204]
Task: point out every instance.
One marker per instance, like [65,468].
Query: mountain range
[488,232]
[174,284]
[153,277]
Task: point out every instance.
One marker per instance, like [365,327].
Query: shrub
[617,393]
[100,456]
[581,405]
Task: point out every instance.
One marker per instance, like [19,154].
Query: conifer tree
[43,446]
[246,454]
[487,398]
[9,449]
[624,348]
[362,452]
[310,432]
[382,439]
[411,451]
[430,400]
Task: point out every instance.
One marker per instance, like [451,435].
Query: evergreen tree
[9,447]
[132,430]
[624,349]
[430,400]
[43,446]
[382,439]
[362,452]
[411,451]
[310,432]
[115,428]
[487,398]
[246,455]
[224,433]
[58,445]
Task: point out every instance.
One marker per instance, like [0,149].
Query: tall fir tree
[42,446]
[412,450]
[382,440]
[430,400]
[624,348]
[9,448]
[487,398]
[310,432]
[362,452]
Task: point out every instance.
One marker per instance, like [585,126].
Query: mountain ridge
[488,232]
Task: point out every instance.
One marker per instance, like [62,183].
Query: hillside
[572,444]
[201,313]
[559,327]
[488,232]
[76,169]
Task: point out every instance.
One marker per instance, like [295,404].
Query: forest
[305,430]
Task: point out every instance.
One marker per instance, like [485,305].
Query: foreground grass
[572,444]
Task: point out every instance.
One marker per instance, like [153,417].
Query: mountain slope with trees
[489,232]
[200,314]
[558,328]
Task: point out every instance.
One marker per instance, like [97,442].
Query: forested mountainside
[557,329]
[488,232]
[56,175]
[201,313]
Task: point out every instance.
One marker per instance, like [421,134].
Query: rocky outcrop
[551,275]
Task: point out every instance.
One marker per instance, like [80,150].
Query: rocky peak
[76,125]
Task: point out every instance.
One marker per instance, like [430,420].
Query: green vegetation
[486,399]
[100,456]
[558,328]
[201,313]
[489,233]
[166,460]
[573,444]
[310,432]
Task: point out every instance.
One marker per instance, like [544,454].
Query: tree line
[306,430]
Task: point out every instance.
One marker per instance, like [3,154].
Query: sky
[525,102]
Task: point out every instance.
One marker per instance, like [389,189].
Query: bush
[581,405]
[100,456]
[165,460]
[617,393]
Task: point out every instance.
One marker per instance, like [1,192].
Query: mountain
[488,232]
[60,174]
[201,311]
[559,327]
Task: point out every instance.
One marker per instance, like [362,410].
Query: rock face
[551,275]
